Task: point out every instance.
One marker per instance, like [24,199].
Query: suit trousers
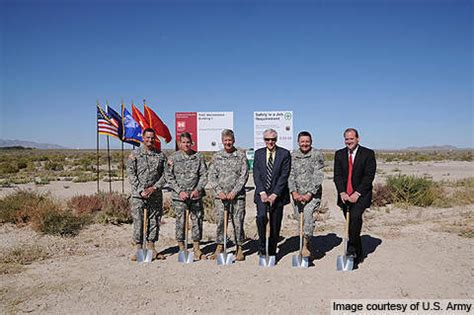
[355,227]
[276,215]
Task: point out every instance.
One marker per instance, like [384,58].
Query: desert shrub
[22,180]
[22,163]
[44,213]
[21,206]
[53,166]
[459,192]
[42,180]
[87,177]
[116,208]
[382,195]
[105,207]
[59,222]
[8,168]
[85,204]
[412,190]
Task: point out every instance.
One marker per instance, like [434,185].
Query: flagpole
[108,160]
[98,162]
[123,138]
[123,178]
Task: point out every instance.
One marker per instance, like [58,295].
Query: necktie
[268,178]
[349,189]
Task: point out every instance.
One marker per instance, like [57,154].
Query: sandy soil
[412,253]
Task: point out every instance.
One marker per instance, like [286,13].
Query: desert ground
[412,253]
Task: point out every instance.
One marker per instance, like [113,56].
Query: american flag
[104,124]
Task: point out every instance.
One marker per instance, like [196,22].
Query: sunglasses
[270,139]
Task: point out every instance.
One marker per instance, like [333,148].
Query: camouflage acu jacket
[229,172]
[146,168]
[306,171]
[186,173]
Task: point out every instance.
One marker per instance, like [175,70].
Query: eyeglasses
[270,139]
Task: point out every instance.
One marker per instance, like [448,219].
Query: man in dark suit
[271,170]
[354,172]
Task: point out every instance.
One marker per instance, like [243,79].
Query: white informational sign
[281,121]
[209,128]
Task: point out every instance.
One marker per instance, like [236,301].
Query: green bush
[8,168]
[57,222]
[412,190]
[53,166]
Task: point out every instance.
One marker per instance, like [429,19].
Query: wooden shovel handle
[145,225]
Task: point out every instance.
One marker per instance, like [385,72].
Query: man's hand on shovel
[271,199]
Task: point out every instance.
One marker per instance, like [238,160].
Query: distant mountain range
[433,148]
[28,144]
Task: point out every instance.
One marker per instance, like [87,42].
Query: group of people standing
[277,174]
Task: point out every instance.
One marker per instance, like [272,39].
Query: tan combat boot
[306,252]
[239,254]
[218,251]
[133,257]
[181,246]
[198,255]
[154,253]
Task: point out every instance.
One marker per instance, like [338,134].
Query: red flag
[143,122]
[157,124]
[139,118]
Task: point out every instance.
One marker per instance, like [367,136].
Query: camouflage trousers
[154,206]
[308,212]
[196,212]
[236,215]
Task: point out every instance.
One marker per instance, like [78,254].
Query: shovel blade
[148,256]
[140,255]
[185,257]
[266,261]
[225,259]
[344,263]
[300,261]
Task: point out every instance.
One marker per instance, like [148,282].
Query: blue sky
[399,71]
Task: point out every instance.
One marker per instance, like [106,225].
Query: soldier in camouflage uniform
[305,183]
[228,174]
[186,175]
[146,168]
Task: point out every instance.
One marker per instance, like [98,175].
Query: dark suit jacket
[363,173]
[280,174]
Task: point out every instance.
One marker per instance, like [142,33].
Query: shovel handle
[145,226]
[226,217]
[301,223]
[186,225]
[267,227]
[347,224]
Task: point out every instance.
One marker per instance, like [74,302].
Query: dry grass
[463,227]
[13,260]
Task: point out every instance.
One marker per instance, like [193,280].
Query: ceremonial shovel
[344,262]
[185,256]
[267,260]
[299,260]
[224,258]
[143,254]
